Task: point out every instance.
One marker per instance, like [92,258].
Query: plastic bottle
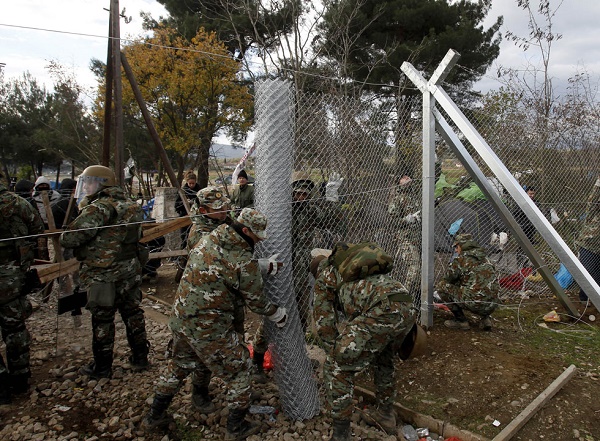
[410,433]
[262,409]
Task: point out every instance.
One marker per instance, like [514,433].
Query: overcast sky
[29,50]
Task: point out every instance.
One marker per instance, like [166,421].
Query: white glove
[415,217]
[279,317]
[332,187]
[503,238]
[597,183]
[269,266]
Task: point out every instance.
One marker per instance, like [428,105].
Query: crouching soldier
[364,319]
[18,222]
[471,283]
[220,269]
[110,269]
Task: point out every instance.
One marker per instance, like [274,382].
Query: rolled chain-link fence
[375,150]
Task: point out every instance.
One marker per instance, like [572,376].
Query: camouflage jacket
[472,270]
[18,218]
[589,238]
[341,306]
[219,270]
[406,201]
[104,250]
[243,197]
[201,226]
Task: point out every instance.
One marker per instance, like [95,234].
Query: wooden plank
[164,228]
[416,419]
[515,425]
[49,272]
[164,254]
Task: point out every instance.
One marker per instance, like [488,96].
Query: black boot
[258,360]
[101,367]
[157,417]
[341,430]
[19,383]
[202,400]
[5,394]
[238,428]
[460,320]
[138,361]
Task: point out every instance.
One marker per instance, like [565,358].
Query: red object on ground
[268,363]
[516,280]
[453,438]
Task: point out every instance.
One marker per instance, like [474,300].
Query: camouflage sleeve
[251,289]
[85,226]
[324,310]
[454,272]
[31,217]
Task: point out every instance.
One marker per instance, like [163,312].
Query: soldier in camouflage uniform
[360,321]
[220,269]
[18,219]
[589,238]
[471,283]
[110,267]
[210,210]
[405,211]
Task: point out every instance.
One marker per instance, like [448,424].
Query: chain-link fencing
[355,175]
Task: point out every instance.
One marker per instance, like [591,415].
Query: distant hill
[227,151]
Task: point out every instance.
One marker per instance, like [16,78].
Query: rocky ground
[466,379]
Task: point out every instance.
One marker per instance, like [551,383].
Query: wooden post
[116,50]
[153,133]
[108,99]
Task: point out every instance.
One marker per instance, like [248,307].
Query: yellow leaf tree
[192,90]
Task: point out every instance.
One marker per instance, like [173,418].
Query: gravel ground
[63,405]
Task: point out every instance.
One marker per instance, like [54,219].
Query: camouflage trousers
[127,299]
[408,267]
[16,336]
[223,355]
[479,302]
[384,326]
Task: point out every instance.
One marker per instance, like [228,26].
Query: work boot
[460,320]
[486,323]
[383,417]
[456,324]
[238,428]
[138,360]
[258,360]
[157,417]
[201,400]
[341,430]
[5,394]
[19,383]
[101,367]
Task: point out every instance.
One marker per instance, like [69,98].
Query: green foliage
[370,39]
[239,24]
[192,92]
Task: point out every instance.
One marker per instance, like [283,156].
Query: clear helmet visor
[87,186]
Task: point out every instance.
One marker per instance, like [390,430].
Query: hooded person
[42,184]
[470,283]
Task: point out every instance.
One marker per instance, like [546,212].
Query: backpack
[358,261]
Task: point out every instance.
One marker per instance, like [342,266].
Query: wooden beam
[416,419]
[164,228]
[515,425]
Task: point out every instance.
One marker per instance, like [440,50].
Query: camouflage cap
[463,238]
[212,197]
[255,220]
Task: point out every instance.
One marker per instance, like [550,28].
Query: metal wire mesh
[372,145]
